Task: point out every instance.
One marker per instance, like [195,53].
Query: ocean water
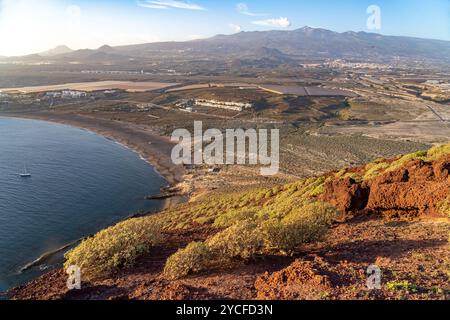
[81,183]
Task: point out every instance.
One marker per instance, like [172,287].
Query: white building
[70,94]
[235,106]
[67,94]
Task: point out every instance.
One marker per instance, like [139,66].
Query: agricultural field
[93,86]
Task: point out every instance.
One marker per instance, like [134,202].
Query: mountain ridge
[62,49]
[300,43]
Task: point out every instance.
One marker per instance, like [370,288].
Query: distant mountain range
[270,46]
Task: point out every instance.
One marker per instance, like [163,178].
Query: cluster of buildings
[144,107]
[340,64]
[67,94]
[185,105]
[188,105]
[442,85]
[234,106]
[74,94]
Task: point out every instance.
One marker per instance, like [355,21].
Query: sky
[32,26]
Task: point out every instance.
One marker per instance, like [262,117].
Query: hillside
[287,46]
[56,51]
[305,42]
[312,239]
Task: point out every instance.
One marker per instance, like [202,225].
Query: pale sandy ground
[157,151]
[427,127]
[94,86]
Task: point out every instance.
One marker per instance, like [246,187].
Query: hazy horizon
[31,26]
[131,44]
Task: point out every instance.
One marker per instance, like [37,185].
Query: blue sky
[30,26]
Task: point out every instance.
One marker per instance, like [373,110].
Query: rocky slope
[394,214]
[306,43]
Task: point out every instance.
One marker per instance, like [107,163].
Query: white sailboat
[25,173]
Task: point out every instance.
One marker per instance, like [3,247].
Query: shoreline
[152,148]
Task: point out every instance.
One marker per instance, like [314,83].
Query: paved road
[446,122]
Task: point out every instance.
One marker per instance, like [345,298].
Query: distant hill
[303,43]
[273,46]
[56,51]
[106,49]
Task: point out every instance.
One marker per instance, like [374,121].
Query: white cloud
[278,23]
[242,8]
[236,28]
[32,26]
[170,4]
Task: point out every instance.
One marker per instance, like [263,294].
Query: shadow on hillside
[368,251]
[100,292]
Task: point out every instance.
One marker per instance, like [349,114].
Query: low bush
[437,152]
[403,285]
[232,217]
[305,225]
[373,170]
[194,258]
[242,240]
[114,248]
[421,155]
[444,207]
[314,187]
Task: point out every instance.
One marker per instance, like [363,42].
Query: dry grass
[194,258]
[114,248]
[257,222]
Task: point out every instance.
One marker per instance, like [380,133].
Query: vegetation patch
[380,166]
[261,221]
[247,239]
[444,207]
[305,225]
[243,241]
[437,152]
[114,248]
[232,217]
[194,258]
[373,170]
[403,285]
[398,164]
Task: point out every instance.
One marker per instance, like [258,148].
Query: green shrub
[401,285]
[242,240]
[444,207]
[421,155]
[317,191]
[304,225]
[194,258]
[232,217]
[373,170]
[341,173]
[114,248]
[437,152]
[314,187]
[204,220]
[379,160]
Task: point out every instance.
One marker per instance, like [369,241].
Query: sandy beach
[152,147]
